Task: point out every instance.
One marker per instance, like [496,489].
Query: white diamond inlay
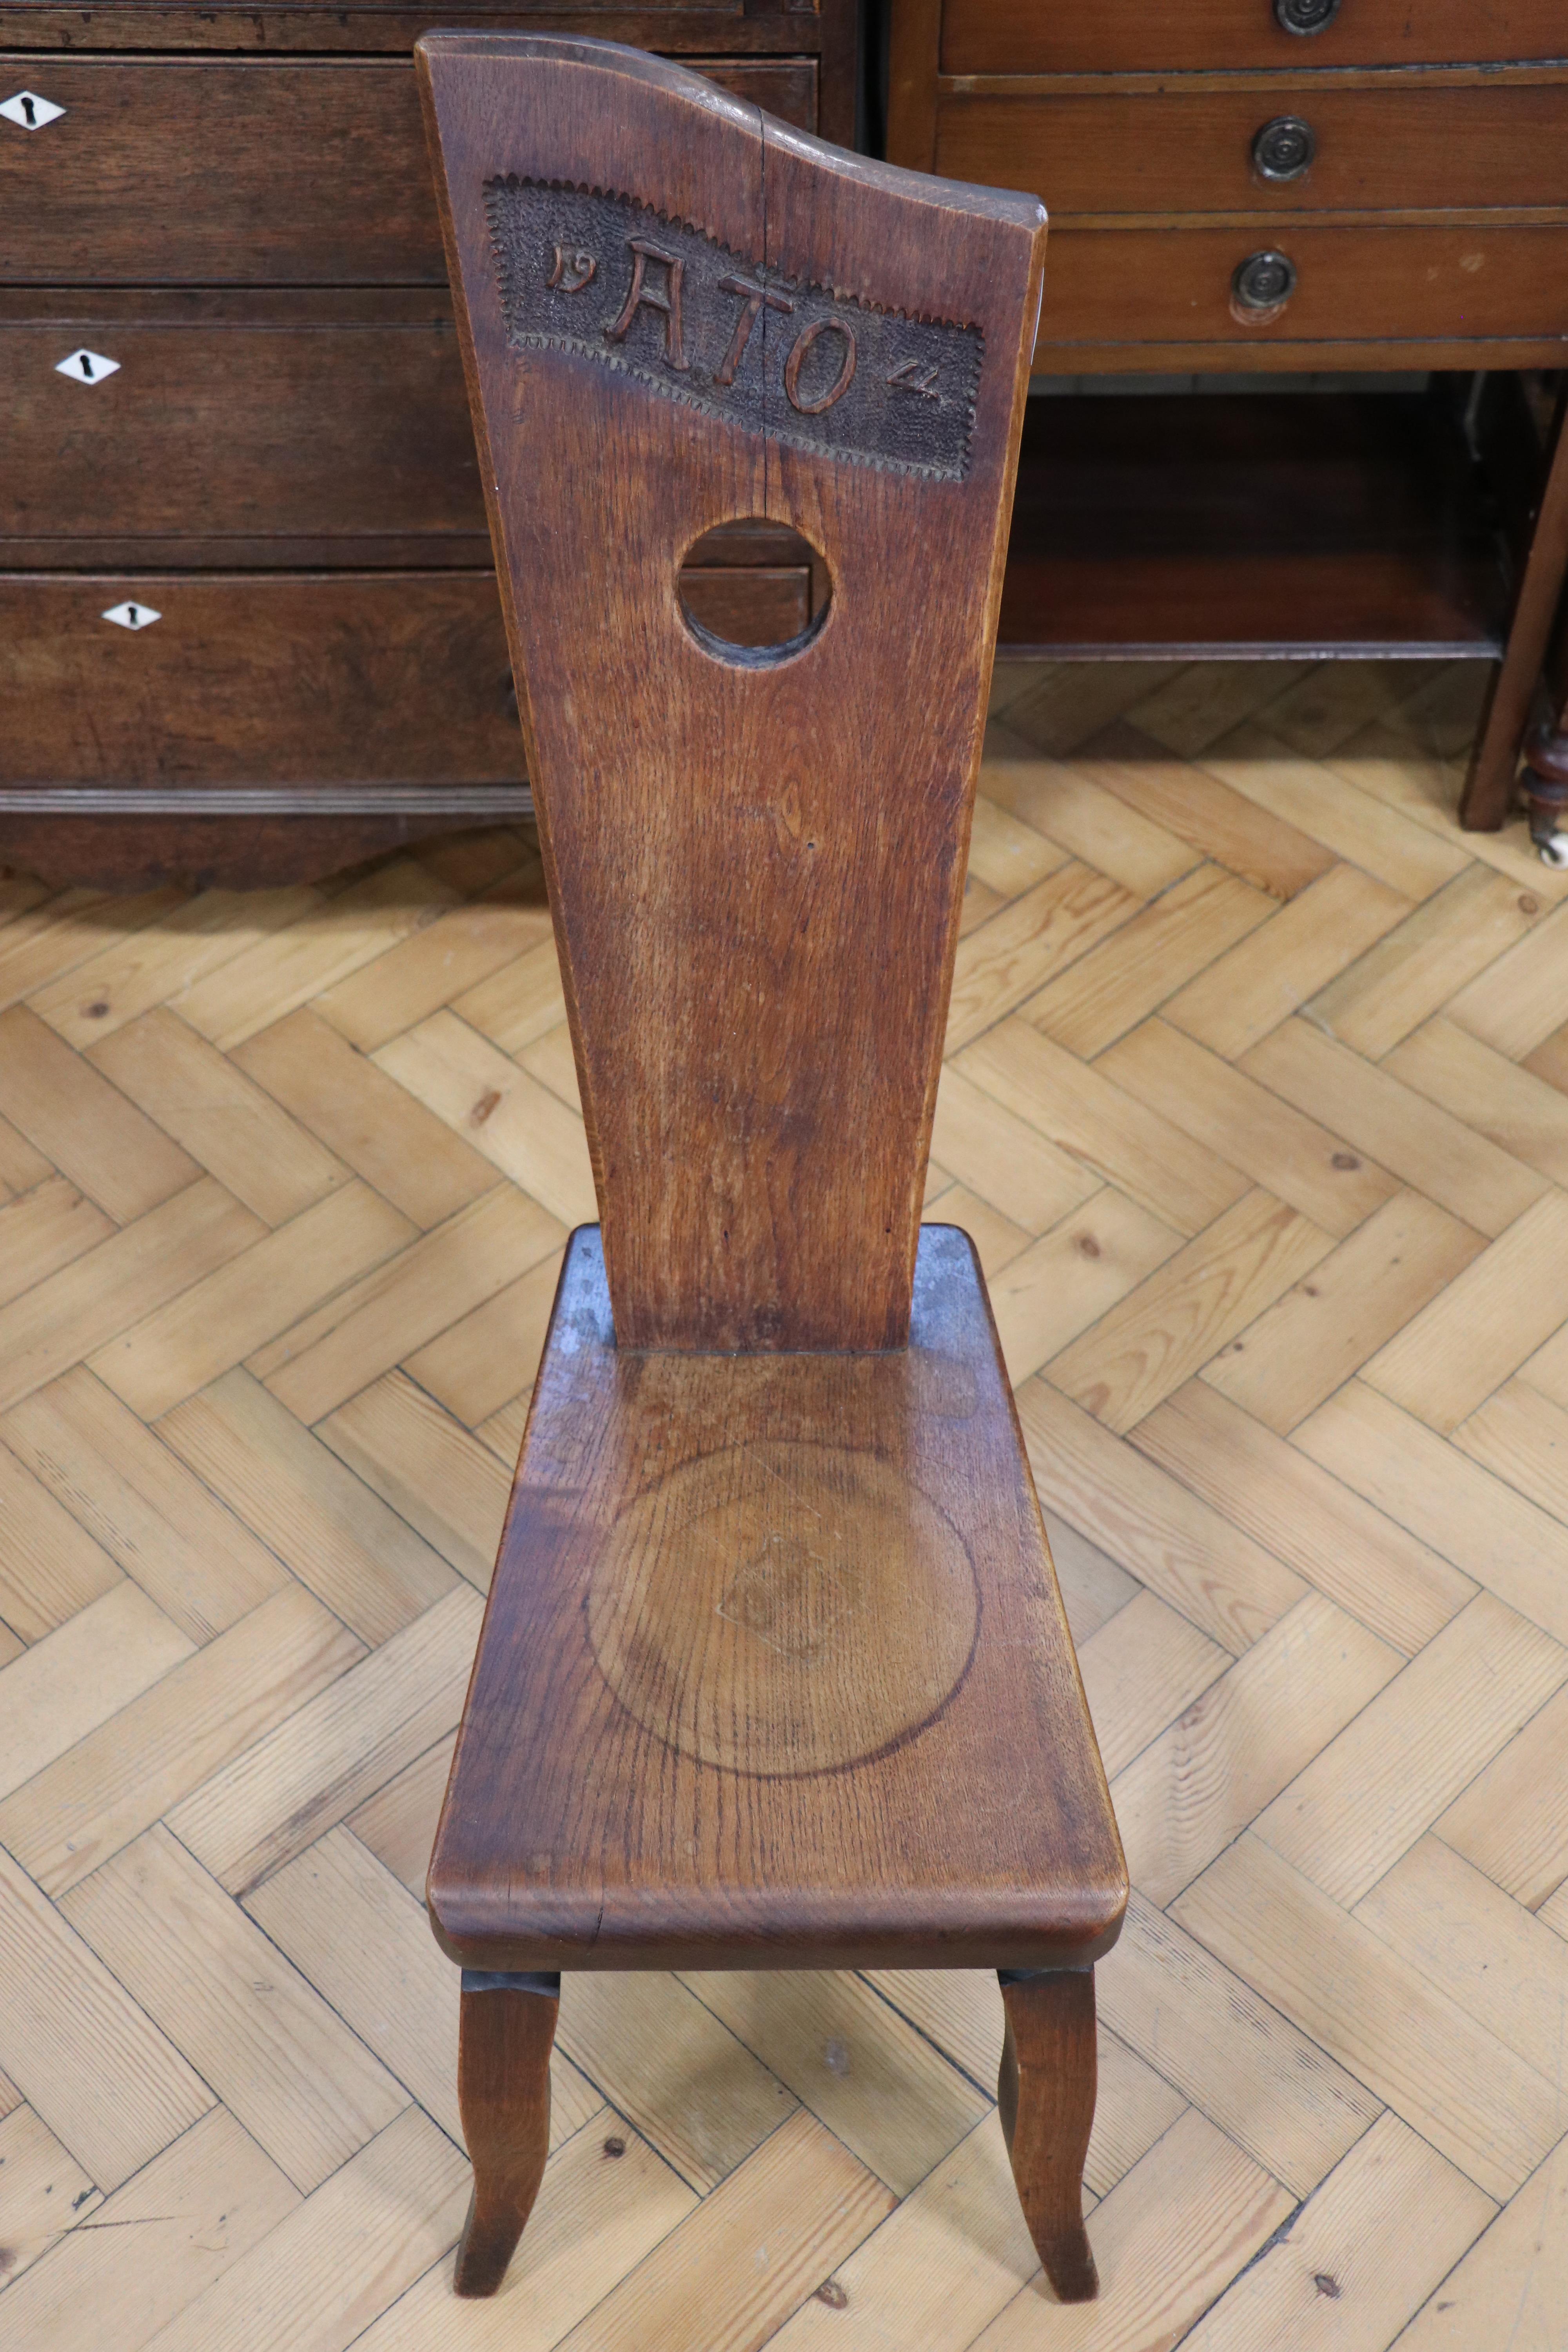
[30,111]
[132,616]
[87,367]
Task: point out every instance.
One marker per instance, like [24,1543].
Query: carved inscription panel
[611,280]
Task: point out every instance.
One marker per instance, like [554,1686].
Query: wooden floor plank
[235,1309]
[1120,981]
[1116,1136]
[1199,1785]
[1139,1672]
[878,2086]
[1425,1147]
[1485,1527]
[1512,1820]
[1272,972]
[221,1116]
[1073,1275]
[1234,1117]
[136,1498]
[45,1229]
[1025,945]
[1057,799]
[1354,824]
[364,1118]
[131,974]
[951,2256]
[1323,1329]
[64,1317]
[93,2064]
[116,1781]
[44,2192]
[304,2086]
[1166,2240]
[1351,2270]
[330,2267]
[88,1129]
[49,1567]
[1130,760]
[325,1759]
[1483,1324]
[160,2240]
[491,1354]
[1423,2053]
[1382,1574]
[79,1675]
[368,1565]
[518,1125]
[1368,1795]
[1510,2290]
[1187,1311]
[749,2254]
[1423,962]
[1002,1158]
[426,1468]
[1521,1113]
[389,1315]
[432,967]
[597,2217]
[1218,1577]
[1518,1001]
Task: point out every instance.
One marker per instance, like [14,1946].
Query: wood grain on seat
[776,1671]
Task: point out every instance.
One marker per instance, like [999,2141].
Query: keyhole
[87,367]
[131,615]
[31,113]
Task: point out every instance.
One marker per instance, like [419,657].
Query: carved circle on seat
[780,1610]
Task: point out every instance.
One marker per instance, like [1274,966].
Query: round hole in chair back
[753,591]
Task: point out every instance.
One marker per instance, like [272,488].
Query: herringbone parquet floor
[1257,1107]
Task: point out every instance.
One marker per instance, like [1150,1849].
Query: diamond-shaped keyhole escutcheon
[87,367]
[132,616]
[30,111]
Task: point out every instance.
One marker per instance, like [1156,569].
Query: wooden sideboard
[1358,187]
[249,623]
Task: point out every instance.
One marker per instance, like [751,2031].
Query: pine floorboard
[1258,1110]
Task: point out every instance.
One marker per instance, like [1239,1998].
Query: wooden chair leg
[1046,2091]
[504,2037]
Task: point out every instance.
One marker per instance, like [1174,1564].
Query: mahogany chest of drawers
[1268,187]
[248,624]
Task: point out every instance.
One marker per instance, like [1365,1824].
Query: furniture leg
[1490,786]
[1046,2091]
[504,2037]
[1545,786]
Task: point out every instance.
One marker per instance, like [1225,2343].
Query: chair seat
[775,1669]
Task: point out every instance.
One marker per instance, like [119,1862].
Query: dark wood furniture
[774,1670]
[232,206]
[1265,186]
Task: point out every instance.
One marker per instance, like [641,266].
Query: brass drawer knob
[1306,16]
[1262,285]
[1284,148]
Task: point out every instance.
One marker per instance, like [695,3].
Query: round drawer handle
[1305,17]
[1284,148]
[1262,286]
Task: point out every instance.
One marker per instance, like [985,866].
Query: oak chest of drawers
[1277,187]
[248,624]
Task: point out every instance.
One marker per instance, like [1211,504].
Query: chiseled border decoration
[612,279]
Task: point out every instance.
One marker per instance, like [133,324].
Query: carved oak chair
[774,1672]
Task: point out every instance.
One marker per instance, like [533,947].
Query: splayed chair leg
[505,2034]
[1046,2091]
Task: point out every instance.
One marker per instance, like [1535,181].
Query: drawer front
[1366,283]
[248,174]
[1369,149]
[255,432]
[998,37]
[309,679]
[305,679]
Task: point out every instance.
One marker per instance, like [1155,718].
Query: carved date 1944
[602,276]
